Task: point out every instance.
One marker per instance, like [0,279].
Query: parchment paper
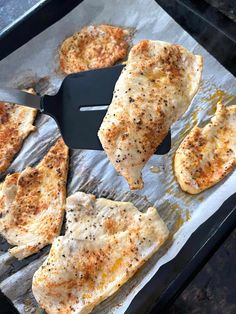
[36,63]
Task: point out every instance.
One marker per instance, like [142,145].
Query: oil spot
[154,169]
[187,215]
[219,95]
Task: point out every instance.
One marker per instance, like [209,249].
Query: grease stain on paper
[219,95]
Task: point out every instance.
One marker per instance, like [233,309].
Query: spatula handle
[15,96]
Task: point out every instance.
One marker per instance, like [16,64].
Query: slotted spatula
[79,106]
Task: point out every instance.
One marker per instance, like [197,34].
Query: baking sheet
[36,63]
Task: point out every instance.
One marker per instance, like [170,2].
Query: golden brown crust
[32,203]
[207,154]
[16,122]
[96,257]
[154,90]
[93,47]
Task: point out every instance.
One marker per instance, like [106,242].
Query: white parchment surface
[90,171]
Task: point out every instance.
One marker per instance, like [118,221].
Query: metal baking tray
[202,22]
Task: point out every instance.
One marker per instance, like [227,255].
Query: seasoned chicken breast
[104,245]
[207,154]
[32,203]
[16,122]
[93,47]
[154,89]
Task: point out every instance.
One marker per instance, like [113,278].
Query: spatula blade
[92,88]
[81,90]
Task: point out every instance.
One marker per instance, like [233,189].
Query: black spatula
[79,106]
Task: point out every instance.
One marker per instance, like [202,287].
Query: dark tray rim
[173,276]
